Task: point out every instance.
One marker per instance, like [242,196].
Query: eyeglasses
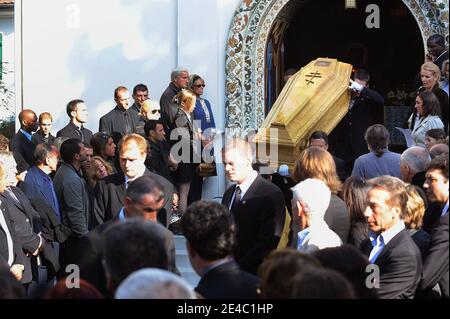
[200,86]
[156,111]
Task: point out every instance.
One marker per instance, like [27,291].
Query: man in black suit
[179,79]
[257,206]
[437,52]
[435,275]
[436,187]
[365,109]
[27,223]
[10,245]
[121,120]
[44,135]
[21,142]
[140,94]
[320,139]
[160,153]
[390,246]
[211,236]
[78,114]
[110,191]
[143,199]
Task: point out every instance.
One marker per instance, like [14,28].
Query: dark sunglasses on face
[200,85]
[156,111]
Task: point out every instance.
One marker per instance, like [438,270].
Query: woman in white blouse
[428,109]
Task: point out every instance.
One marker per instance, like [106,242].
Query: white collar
[392,232]
[127,179]
[245,185]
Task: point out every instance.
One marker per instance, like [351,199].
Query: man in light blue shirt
[390,246]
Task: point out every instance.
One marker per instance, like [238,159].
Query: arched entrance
[245,64]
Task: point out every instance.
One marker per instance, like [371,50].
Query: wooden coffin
[315,98]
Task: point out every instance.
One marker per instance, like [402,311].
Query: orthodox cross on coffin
[311,76]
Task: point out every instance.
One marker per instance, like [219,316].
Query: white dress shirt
[244,186]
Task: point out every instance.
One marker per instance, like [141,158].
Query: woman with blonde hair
[316,162]
[150,110]
[99,169]
[430,76]
[184,148]
[413,218]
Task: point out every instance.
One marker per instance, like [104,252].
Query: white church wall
[86,48]
[7,30]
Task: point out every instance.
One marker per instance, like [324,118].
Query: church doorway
[307,30]
[392,53]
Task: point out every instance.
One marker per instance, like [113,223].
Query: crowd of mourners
[93,216]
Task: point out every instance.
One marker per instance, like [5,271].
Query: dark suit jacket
[435,263]
[168,108]
[27,225]
[114,122]
[159,159]
[38,138]
[400,265]
[347,139]
[20,144]
[34,186]
[341,169]
[17,244]
[259,218]
[228,281]
[110,196]
[432,216]
[71,131]
[90,251]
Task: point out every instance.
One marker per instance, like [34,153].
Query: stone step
[183,263]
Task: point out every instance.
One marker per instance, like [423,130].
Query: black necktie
[127,123]
[80,131]
[237,197]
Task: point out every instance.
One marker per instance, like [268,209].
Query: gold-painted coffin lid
[315,98]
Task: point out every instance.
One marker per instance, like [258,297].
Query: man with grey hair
[179,79]
[414,163]
[311,198]
[153,283]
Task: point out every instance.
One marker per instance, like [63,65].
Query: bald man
[257,205]
[21,142]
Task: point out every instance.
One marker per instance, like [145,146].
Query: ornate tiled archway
[246,48]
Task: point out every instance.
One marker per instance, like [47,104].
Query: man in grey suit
[179,79]
[70,188]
